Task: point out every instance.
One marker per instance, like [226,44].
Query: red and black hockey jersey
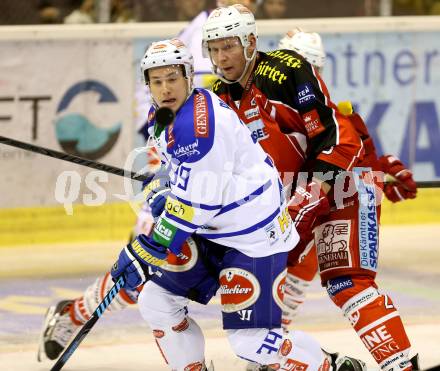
[287,107]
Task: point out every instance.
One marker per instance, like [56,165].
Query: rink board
[114,221]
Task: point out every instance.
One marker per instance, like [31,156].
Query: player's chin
[230,74]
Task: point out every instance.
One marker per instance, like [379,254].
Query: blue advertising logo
[76,134]
[305,94]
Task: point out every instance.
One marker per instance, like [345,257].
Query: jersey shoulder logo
[305,94]
[201,116]
[193,129]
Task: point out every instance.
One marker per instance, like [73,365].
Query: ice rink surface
[29,282]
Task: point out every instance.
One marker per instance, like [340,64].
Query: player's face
[227,54]
[168,86]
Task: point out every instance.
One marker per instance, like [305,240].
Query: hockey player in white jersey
[226,194]
[64,318]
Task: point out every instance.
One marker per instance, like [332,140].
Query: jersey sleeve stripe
[335,120]
[356,157]
[279,103]
[248,230]
[259,191]
[327,103]
[294,145]
[182,222]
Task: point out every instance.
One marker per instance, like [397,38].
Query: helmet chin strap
[190,81]
[245,69]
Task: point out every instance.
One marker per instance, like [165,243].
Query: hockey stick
[99,311]
[164,117]
[74,159]
[428,184]
[118,171]
[421,184]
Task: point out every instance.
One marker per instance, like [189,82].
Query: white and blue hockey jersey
[224,187]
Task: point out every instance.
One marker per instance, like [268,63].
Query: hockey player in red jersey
[310,46]
[280,93]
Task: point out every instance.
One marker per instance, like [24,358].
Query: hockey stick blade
[420,184]
[99,311]
[74,159]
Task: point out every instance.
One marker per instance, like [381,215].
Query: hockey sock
[83,307]
[178,336]
[376,321]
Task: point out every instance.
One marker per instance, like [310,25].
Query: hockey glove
[403,185]
[305,206]
[156,193]
[135,258]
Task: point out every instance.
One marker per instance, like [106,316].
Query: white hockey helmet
[307,44]
[232,21]
[168,53]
